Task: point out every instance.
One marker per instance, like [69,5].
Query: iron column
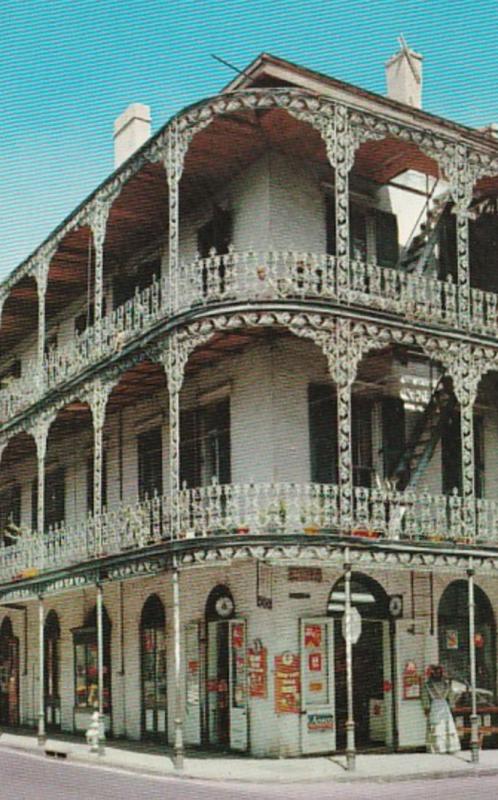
[178,745]
[474,719]
[100,668]
[41,673]
[350,738]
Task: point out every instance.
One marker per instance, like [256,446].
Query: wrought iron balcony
[234,510]
[251,276]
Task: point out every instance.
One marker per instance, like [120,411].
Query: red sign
[312,635]
[238,636]
[257,671]
[315,662]
[287,684]
[479,640]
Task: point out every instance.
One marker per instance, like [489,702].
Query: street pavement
[33,776]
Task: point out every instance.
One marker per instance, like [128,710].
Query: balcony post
[98,225]
[341,153]
[40,434]
[466,373]
[463,270]
[41,286]
[97,398]
[173,361]
[100,669]
[178,742]
[41,673]
[474,719]
[462,178]
[173,163]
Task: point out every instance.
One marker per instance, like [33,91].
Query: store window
[86,663]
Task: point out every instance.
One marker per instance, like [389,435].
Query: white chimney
[131,130]
[404,76]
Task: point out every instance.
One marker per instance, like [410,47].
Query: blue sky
[67,69]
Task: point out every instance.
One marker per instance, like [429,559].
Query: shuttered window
[150,463]
[393,433]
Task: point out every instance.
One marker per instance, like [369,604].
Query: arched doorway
[225,706]
[372,663]
[52,634]
[153,668]
[9,674]
[453,635]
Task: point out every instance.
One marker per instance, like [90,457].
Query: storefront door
[226,690]
[52,656]
[318,721]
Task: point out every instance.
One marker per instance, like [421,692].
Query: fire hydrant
[93,733]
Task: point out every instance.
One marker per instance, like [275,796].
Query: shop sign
[305,574]
[238,636]
[479,640]
[320,721]
[258,670]
[411,681]
[452,639]
[354,625]
[315,662]
[287,684]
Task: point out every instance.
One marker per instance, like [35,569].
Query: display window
[86,665]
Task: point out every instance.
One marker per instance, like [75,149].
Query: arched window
[52,668]
[453,635]
[86,662]
[153,660]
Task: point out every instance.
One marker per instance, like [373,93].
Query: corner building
[248,388]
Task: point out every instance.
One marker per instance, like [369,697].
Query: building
[249,384]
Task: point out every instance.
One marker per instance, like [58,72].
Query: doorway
[9,675]
[153,661]
[371,662]
[225,672]
[52,671]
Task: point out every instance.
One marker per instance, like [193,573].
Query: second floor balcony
[274,513]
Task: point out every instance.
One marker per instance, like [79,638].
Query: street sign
[354,624]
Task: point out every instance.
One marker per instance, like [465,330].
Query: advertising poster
[258,670]
[287,684]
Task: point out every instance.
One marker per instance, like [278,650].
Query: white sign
[354,625]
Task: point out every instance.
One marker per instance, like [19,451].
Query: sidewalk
[375,767]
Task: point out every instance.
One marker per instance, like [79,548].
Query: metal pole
[350,738]
[41,673]
[474,719]
[100,667]
[178,745]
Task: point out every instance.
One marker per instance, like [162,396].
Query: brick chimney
[404,76]
[131,130]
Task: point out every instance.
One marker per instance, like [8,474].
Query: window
[205,444]
[357,233]
[361,439]
[89,482]
[10,373]
[125,285]
[322,416]
[10,513]
[217,233]
[393,433]
[150,463]
[86,663]
[451,455]
[386,238]
[330,224]
[153,657]
[55,490]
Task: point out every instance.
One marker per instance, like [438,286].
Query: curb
[95,760]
